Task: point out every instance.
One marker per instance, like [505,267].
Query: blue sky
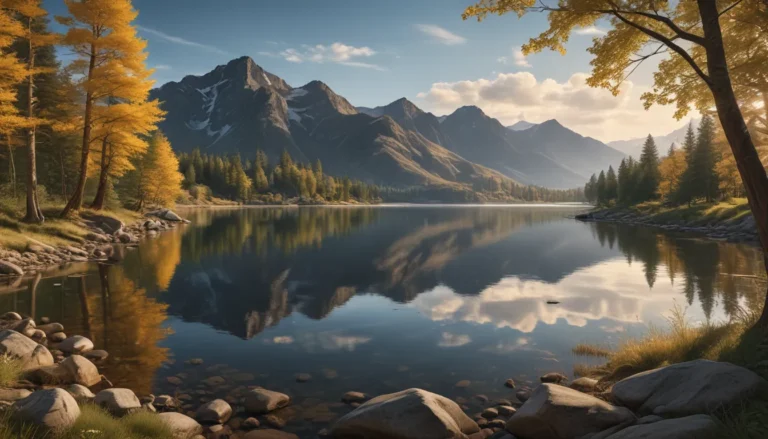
[373,52]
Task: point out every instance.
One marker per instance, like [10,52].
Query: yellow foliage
[157,179]
[671,170]
[12,72]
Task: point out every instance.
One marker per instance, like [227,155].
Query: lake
[379,299]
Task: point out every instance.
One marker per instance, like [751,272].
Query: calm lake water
[379,299]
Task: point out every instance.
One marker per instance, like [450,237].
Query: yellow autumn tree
[110,62]
[156,179]
[671,170]
[12,72]
[27,11]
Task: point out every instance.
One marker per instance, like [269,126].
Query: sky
[374,52]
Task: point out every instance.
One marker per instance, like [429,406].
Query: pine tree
[190,176]
[649,171]
[590,189]
[690,140]
[623,182]
[601,189]
[611,185]
[704,161]
[110,62]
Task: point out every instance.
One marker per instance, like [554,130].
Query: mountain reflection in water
[386,297]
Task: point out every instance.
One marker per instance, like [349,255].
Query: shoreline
[736,229]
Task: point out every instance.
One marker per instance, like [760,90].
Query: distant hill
[521,125]
[239,107]
[634,147]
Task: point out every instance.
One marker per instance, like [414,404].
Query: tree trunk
[11,167]
[101,192]
[34,214]
[747,160]
[77,196]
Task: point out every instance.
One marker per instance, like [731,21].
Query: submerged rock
[693,387]
[259,401]
[553,377]
[52,409]
[410,414]
[557,412]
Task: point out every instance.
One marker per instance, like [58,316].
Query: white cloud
[518,58]
[179,40]
[454,340]
[162,67]
[285,339]
[590,111]
[442,36]
[338,53]
[590,30]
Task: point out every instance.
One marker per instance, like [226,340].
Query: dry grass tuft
[10,370]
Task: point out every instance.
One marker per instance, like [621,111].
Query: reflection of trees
[711,270]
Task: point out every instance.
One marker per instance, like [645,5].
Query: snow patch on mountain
[296,93]
[210,95]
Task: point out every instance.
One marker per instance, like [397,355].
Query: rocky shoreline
[739,230]
[104,242]
[60,375]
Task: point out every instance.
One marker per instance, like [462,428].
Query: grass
[735,341]
[732,210]
[55,231]
[94,423]
[10,370]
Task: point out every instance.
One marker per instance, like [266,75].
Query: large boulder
[76,344]
[52,409]
[31,354]
[557,412]
[166,214]
[689,427]
[119,402]
[106,223]
[694,387]
[10,269]
[217,411]
[81,371]
[182,426]
[260,401]
[410,414]
[80,393]
[12,395]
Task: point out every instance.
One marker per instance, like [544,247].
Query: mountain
[239,107]
[410,117]
[521,125]
[634,147]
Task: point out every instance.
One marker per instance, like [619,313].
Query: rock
[557,412]
[214,381]
[10,315]
[650,419]
[694,387]
[217,411]
[119,402]
[76,344]
[182,426]
[218,431]
[692,427]
[176,381]
[510,383]
[351,397]
[584,384]
[36,246]
[463,384]
[195,361]
[269,434]
[12,395]
[52,409]
[26,327]
[124,237]
[57,337]
[97,237]
[490,413]
[51,328]
[496,424]
[165,214]
[149,407]
[80,371]
[553,377]
[38,336]
[106,223]
[251,423]
[31,354]
[303,377]
[506,410]
[259,401]
[275,421]
[80,393]
[164,401]
[76,251]
[10,269]
[96,355]
[522,395]
[410,414]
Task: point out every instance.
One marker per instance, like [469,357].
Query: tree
[611,185]
[690,140]
[671,170]
[623,181]
[649,171]
[590,190]
[155,178]
[12,72]
[190,176]
[110,63]
[692,32]
[28,11]
[601,189]
[704,161]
